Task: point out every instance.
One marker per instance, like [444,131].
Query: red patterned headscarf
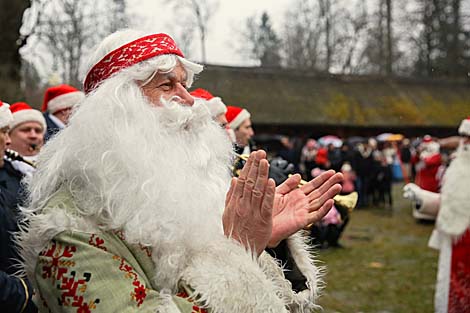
[128,55]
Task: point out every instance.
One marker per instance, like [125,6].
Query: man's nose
[184,95]
[33,134]
[7,139]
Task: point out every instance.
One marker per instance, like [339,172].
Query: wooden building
[302,103]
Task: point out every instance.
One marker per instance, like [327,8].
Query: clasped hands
[258,214]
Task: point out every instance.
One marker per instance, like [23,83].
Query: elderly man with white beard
[132,207]
[451,235]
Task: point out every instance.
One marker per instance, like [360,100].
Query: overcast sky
[230,15]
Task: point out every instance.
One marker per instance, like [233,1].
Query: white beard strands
[158,173]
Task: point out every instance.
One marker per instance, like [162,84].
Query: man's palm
[295,208]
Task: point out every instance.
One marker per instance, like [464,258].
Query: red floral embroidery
[140,292]
[120,234]
[147,250]
[196,309]
[57,271]
[96,241]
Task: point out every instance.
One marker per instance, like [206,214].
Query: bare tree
[63,31]
[261,42]
[325,9]
[302,33]
[443,41]
[195,14]
[350,43]
[10,23]
[388,5]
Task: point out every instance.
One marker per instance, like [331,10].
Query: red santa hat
[215,104]
[22,113]
[464,129]
[236,116]
[427,139]
[61,97]
[5,115]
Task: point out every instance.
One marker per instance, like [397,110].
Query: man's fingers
[289,184]
[260,185]
[247,166]
[316,182]
[325,186]
[243,174]
[329,194]
[251,176]
[317,215]
[268,200]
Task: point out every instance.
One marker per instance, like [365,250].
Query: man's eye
[165,85]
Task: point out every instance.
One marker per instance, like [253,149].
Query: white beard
[160,174]
[454,212]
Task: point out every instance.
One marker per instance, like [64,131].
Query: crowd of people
[150,197]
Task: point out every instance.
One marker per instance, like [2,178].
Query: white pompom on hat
[23,113]
[464,129]
[5,115]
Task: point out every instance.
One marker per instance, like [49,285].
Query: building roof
[281,97]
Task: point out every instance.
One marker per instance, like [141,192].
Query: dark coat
[52,128]
[13,294]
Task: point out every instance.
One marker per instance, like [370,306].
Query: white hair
[157,173]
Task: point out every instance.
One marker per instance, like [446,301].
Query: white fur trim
[227,278]
[301,252]
[241,117]
[441,295]
[454,214]
[216,106]
[464,128]
[5,115]
[64,101]
[30,115]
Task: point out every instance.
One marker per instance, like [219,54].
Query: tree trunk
[11,13]
[389,38]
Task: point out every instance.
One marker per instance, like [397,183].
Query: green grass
[386,265]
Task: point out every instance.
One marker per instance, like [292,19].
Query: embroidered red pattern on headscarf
[130,54]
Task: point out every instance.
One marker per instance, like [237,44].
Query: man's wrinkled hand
[295,208]
[248,206]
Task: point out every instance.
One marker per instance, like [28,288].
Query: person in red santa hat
[451,235]
[427,164]
[57,107]
[239,121]
[216,107]
[26,135]
[133,207]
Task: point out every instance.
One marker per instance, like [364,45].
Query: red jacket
[426,176]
